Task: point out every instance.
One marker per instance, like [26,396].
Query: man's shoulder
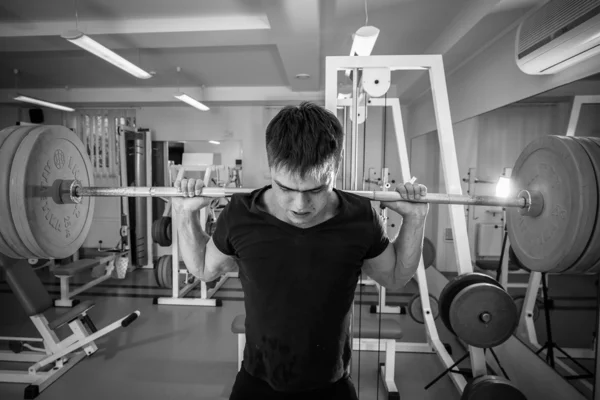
[354,200]
[355,206]
[246,200]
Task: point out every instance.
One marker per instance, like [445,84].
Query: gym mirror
[560,322]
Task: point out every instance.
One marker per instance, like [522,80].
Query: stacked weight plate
[477,309]
[589,260]
[163,271]
[564,238]
[33,225]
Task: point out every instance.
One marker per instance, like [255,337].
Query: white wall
[589,120]
[225,153]
[489,81]
[246,124]
[8,116]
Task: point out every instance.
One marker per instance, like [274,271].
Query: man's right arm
[198,251]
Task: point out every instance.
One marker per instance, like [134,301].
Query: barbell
[47,197]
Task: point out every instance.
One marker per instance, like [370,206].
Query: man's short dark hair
[305,140]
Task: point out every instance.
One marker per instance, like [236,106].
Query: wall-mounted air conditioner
[557,35]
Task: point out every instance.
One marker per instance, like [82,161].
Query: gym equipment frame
[533,377]
[178,295]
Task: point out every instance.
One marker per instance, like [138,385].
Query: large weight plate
[453,287]
[483,315]
[563,173]
[596,267]
[167,272]
[490,387]
[4,247]
[47,154]
[165,231]
[7,227]
[520,302]
[429,253]
[591,254]
[515,260]
[415,308]
[164,271]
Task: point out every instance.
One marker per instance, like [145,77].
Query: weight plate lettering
[46,154]
[563,173]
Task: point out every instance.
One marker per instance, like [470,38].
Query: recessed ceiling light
[302,76]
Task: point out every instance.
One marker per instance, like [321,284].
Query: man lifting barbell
[300,245]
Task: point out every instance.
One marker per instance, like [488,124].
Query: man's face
[303,200]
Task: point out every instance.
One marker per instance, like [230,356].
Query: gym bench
[66,272]
[372,338]
[55,357]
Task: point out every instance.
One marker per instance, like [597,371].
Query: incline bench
[369,334]
[54,357]
[66,272]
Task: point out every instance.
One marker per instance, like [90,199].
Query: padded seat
[488,263]
[76,267]
[72,314]
[369,328]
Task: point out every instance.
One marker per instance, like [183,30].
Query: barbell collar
[534,201]
[521,201]
[66,191]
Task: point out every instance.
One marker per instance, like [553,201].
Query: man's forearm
[192,242]
[408,246]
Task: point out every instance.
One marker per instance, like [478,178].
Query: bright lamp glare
[214,142]
[503,187]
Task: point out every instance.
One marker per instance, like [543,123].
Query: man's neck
[268,204]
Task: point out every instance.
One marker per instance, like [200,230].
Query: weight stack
[136,175]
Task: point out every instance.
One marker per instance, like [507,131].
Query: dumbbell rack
[178,294]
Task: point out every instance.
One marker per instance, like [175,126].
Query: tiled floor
[185,352]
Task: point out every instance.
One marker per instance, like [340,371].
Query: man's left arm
[398,263]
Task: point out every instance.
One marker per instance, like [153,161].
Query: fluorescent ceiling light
[44,103]
[192,102]
[89,44]
[214,142]
[364,40]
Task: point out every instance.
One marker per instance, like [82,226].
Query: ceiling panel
[219,66]
[37,10]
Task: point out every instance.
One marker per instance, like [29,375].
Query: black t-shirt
[298,286]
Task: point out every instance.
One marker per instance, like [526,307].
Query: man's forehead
[293,180]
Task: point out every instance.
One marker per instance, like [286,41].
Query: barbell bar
[71,192]
[47,197]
